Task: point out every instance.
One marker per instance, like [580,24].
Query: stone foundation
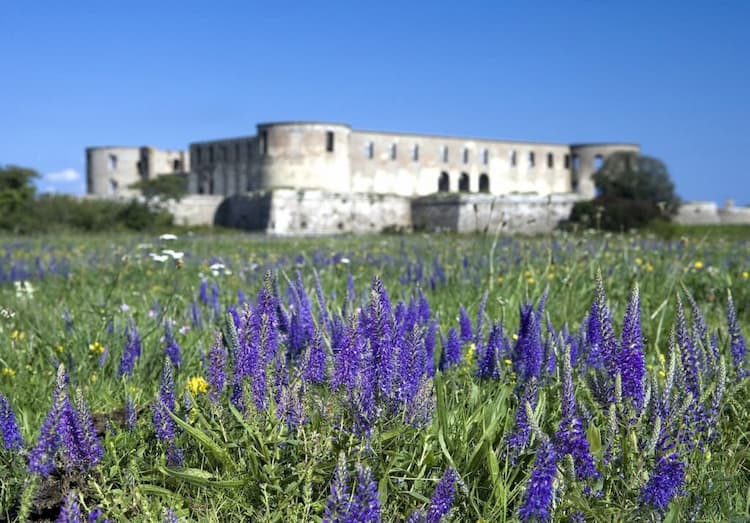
[511,214]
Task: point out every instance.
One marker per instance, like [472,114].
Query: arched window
[484,183]
[550,160]
[463,183]
[598,162]
[444,183]
[512,158]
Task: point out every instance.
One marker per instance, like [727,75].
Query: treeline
[22,211]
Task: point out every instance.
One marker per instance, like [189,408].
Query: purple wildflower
[570,437]
[8,426]
[519,438]
[347,360]
[196,316]
[337,504]
[315,366]
[217,358]
[691,362]
[478,332]
[131,415]
[451,353]
[665,482]
[171,347]
[537,500]
[366,506]
[131,352]
[464,323]
[89,447]
[379,333]
[487,363]
[630,362]
[528,352]
[736,341]
[170,516]
[203,292]
[442,499]
[70,512]
[429,348]
[600,337]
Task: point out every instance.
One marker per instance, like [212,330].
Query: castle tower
[587,159]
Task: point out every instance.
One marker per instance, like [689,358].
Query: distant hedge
[50,213]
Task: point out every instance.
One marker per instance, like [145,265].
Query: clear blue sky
[672,76]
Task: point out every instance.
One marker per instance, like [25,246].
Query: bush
[615,214]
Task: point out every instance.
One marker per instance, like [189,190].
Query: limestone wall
[290,212]
[698,213]
[509,214]
[195,209]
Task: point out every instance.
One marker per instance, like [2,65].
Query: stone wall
[708,213]
[310,212]
[509,214]
[195,209]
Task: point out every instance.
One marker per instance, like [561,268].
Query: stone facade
[321,178]
[111,170]
[335,158]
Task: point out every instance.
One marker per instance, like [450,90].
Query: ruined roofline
[102,147]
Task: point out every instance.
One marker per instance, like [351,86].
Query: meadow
[421,378]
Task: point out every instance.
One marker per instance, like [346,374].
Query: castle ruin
[318,177]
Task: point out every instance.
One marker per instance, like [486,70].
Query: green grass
[255,468]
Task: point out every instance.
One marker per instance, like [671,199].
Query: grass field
[232,377]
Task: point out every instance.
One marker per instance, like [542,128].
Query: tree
[632,191]
[630,176]
[163,187]
[17,193]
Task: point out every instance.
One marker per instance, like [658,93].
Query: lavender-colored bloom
[89,447]
[131,414]
[195,316]
[537,500]
[70,512]
[487,364]
[379,333]
[315,366]
[337,504]
[600,338]
[203,292]
[301,325]
[665,482]
[215,305]
[170,516]
[96,515]
[570,437]
[217,358]
[423,308]
[366,505]
[171,347]
[528,352]
[691,363]
[630,361]
[464,323]
[451,353]
[442,499]
[519,438]
[8,426]
[131,352]
[347,360]
[736,341]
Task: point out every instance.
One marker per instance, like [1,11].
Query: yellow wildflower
[96,347]
[515,337]
[9,372]
[60,348]
[94,377]
[745,275]
[638,261]
[648,267]
[470,353]
[196,385]
[508,362]
[698,264]
[527,274]
[17,335]
[663,374]
[551,276]
[531,281]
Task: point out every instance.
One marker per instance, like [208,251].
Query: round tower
[111,170]
[587,159]
[304,155]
